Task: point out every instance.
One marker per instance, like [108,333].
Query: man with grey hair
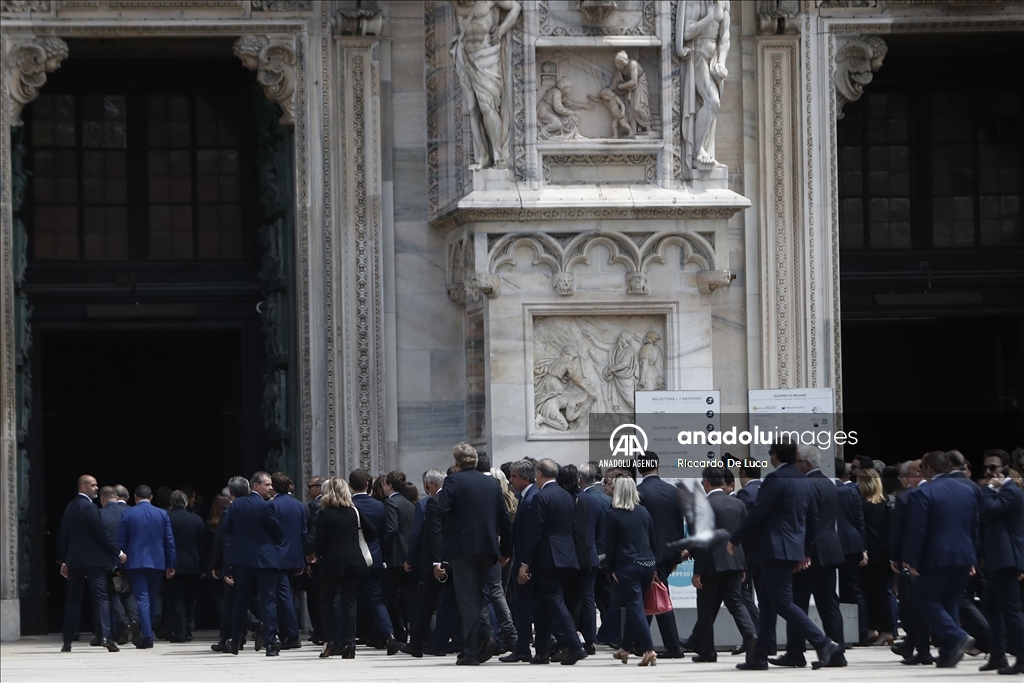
[913,621]
[238,487]
[522,475]
[424,554]
[188,529]
[124,613]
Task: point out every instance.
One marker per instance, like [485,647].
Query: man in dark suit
[779,534]
[84,552]
[717,574]
[254,532]
[750,482]
[187,528]
[423,560]
[912,620]
[312,579]
[291,556]
[598,502]
[522,478]
[819,579]
[477,531]
[398,587]
[124,615]
[853,536]
[145,534]
[662,501]
[370,585]
[942,524]
[1002,516]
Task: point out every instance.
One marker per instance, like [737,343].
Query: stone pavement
[39,659]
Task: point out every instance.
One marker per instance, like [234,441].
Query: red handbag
[656,598]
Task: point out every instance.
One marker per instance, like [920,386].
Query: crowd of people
[519,561]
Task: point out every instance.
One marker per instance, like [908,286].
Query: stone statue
[556,113]
[622,372]
[620,120]
[630,81]
[28,64]
[702,43]
[479,54]
[560,393]
[652,364]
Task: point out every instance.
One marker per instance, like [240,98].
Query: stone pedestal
[490,180]
[10,619]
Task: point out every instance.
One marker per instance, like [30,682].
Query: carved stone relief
[599,17]
[557,117]
[592,364]
[596,10]
[857,59]
[29,60]
[274,64]
[24,6]
[596,168]
[617,108]
[281,5]
[630,82]
[359,18]
[702,45]
[778,16]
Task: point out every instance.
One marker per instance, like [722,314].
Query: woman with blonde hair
[629,547]
[877,511]
[341,564]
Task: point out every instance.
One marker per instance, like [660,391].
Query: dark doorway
[162,408]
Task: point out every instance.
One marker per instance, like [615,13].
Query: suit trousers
[227,615]
[938,596]
[312,583]
[181,605]
[1002,607]
[522,610]
[633,580]
[550,613]
[398,593]
[287,620]
[851,593]
[720,587]
[447,633]
[429,592]
[821,583]
[875,588]
[370,600]
[775,590]
[580,599]
[77,577]
[469,574]
[263,582]
[347,586]
[667,621]
[145,587]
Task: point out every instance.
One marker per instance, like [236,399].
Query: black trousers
[775,590]
[1002,607]
[549,610]
[580,599]
[312,585]
[821,583]
[398,590]
[347,586]
[719,587]
[876,596]
[851,593]
[429,591]
[179,612]
[667,621]
[77,578]
[469,574]
[522,613]
[263,582]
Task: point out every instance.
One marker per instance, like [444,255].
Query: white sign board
[810,413]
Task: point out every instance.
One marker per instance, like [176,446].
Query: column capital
[273,59]
[30,58]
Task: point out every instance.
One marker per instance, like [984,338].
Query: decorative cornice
[29,59]
[273,60]
[459,217]
[281,5]
[21,6]
[856,61]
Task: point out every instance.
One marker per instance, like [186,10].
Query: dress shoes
[573,656]
[271,652]
[956,655]
[826,654]
[392,646]
[589,648]
[220,646]
[838,661]
[753,665]
[788,660]
[674,653]
[96,641]
[110,645]
[687,644]
[273,644]
[557,655]
[913,660]
[991,665]
[122,636]
[66,647]
[291,644]
[435,651]
[232,648]
[513,658]
[145,644]
[486,650]
[1015,670]
[348,651]
[538,659]
[416,652]
[136,632]
[466,660]
[904,649]
[257,630]
[703,659]
[746,646]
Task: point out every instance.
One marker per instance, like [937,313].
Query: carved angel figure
[556,113]
[613,103]
[560,393]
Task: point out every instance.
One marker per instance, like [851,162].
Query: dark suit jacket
[337,541]
[82,541]
[145,535]
[850,524]
[598,503]
[522,525]
[188,530]
[1003,515]
[254,531]
[897,525]
[312,507]
[550,540]
[662,501]
[373,510]
[586,533]
[781,524]
[828,549]
[425,541]
[748,494]
[729,515]
[476,521]
[942,525]
[294,545]
[628,536]
[399,513]
[221,544]
[110,515]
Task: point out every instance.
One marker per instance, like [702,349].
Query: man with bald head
[84,552]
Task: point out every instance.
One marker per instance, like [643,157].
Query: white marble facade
[437,302]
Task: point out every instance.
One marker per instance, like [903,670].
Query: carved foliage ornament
[14,6]
[778,16]
[274,64]
[856,61]
[29,62]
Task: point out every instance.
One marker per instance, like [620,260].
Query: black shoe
[136,632]
[66,647]
[392,646]
[273,644]
[110,645]
[272,652]
[589,648]
[220,646]
[158,628]
[956,655]
[145,644]
[826,654]
[788,660]
[466,660]
[122,636]
[512,658]
[574,656]
[96,641]
[687,644]
[903,650]
[991,665]
[557,655]
[746,646]
[838,661]
[411,651]
[189,638]
[257,630]
[701,659]
[674,653]
[291,644]
[753,665]
[349,651]
[927,660]
[486,650]
[232,647]
[435,652]
[537,659]
[1016,669]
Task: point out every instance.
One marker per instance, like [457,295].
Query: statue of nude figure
[702,39]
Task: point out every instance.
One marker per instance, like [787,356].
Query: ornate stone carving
[856,61]
[561,395]
[478,54]
[643,25]
[630,81]
[648,161]
[778,16]
[637,282]
[281,5]
[556,113]
[710,280]
[29,60]
[14,6]
[615,106]
[702,44]
[274,64]
[359,18]
[596,10]
[651,360]
[564,283]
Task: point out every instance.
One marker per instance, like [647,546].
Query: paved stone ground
[40,659]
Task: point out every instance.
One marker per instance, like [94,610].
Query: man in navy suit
[779,534]
[253,532]
[423,561]
[853,536]
[369,587]
[188,530]
[84,551]
[662,501]
[750,482]
[398,587]
[146,536]
[918,635]
[819,579]
[941,526]
[123,613]
[477,531]
[549,553]
[1002,514]
[522,477]
[291,556]
[598,502]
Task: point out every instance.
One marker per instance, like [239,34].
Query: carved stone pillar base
[490,180]
[10,619]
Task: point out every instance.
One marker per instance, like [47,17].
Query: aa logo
[628,445]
